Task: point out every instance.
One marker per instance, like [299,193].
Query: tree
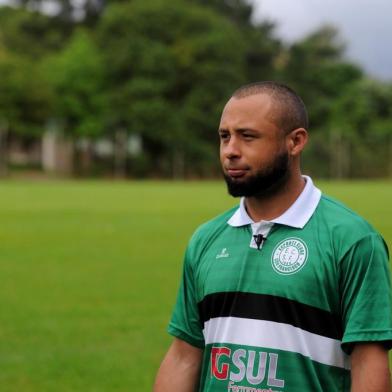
[238,11]
[31,34]
[171,67]
[261,46]
[362,119]
[76,76]
[24,96]
[316,68]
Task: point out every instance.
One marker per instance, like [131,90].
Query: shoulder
[208,231]
[213,226]
[345,226]
[338,214]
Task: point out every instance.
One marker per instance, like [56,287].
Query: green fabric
[346,273]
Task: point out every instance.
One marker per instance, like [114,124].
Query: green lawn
[89,272]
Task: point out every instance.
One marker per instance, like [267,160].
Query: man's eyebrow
[246,130]
[239,130]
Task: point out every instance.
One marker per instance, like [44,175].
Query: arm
[370,368]
[180,368]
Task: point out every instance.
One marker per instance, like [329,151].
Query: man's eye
[224,136]
[247,136]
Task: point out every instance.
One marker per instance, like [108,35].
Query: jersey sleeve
[185,322]
[366,293]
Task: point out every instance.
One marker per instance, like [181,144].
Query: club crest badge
[289,256]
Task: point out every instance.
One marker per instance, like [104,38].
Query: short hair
[288,112]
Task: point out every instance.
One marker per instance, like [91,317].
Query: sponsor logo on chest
[255,367]
[289,256]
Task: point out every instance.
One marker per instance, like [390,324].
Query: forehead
[247,112]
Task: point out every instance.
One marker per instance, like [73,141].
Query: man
[288,292]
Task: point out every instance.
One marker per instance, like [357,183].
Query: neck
[268,207]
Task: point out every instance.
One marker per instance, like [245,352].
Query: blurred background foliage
[135,88]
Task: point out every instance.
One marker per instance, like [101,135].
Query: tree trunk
[340,155]
[3,149]
[58,152]
[85,156]
[390,157]
[178,164]
[120,153]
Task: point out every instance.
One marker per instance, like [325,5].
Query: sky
[364,25]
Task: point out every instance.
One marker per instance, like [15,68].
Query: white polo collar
[297,215]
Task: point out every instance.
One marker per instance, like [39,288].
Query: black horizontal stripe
[271,308]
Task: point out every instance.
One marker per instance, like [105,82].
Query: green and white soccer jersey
[284,317]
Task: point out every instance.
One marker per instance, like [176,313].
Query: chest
[294,264]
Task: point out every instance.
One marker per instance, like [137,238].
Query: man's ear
[297,140]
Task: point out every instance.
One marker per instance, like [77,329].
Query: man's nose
[232,148]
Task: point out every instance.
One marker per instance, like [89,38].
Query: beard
[265,182]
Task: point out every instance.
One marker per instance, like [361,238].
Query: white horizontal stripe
[273,335]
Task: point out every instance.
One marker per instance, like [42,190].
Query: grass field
[89,273]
